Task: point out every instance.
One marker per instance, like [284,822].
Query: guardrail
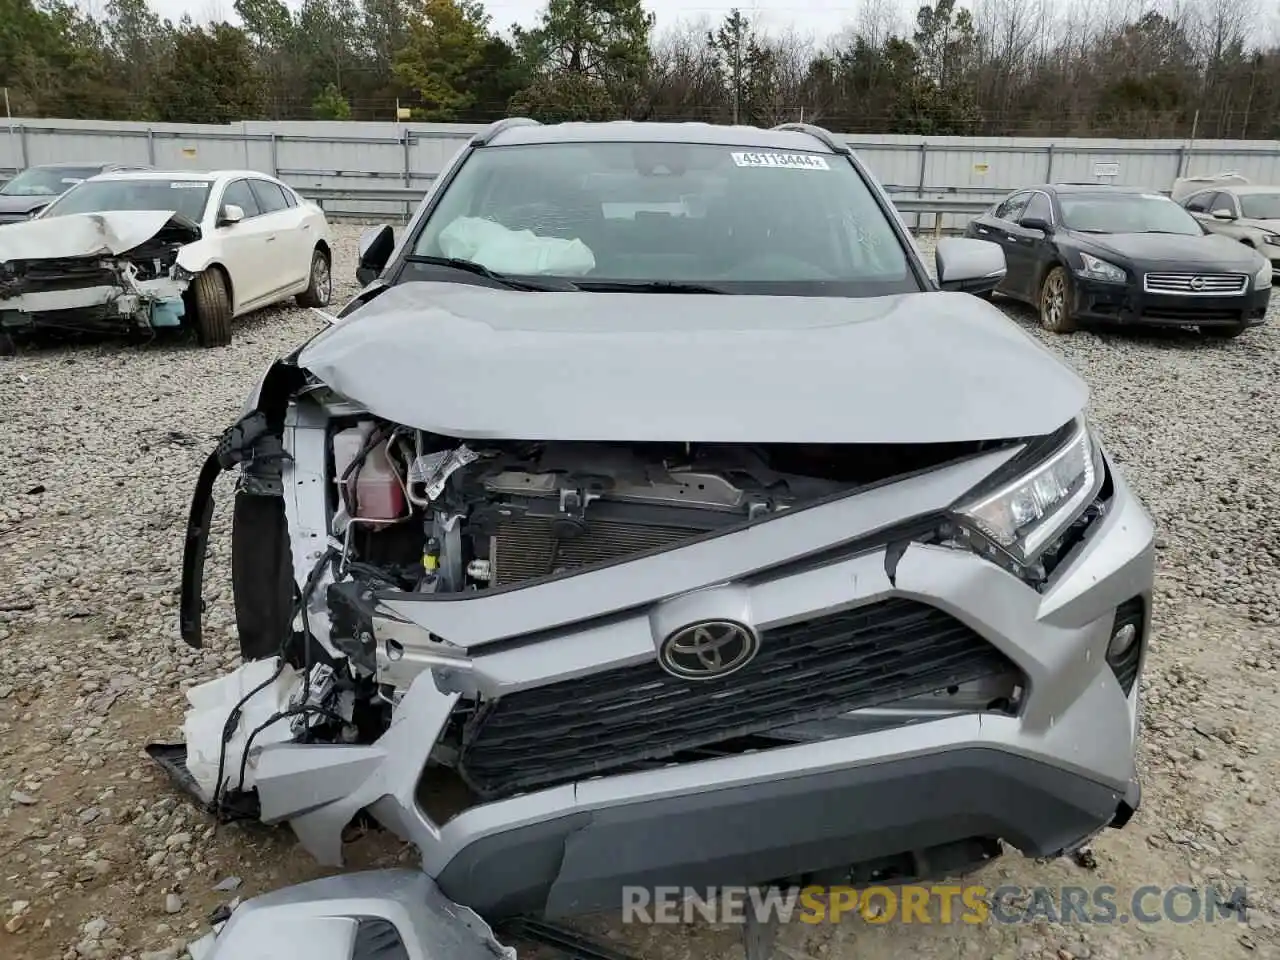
[409,197]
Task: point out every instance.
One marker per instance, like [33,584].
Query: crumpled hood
[1211,250]
[80,234]
[474,362]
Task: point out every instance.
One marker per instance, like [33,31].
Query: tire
[212,302]
[1054,302]
[1224,333]
[319,292]
[261,574]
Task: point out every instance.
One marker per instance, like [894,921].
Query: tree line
[1001,67]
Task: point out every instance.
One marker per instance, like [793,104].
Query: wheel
[1055,302]
[1224,333]
[7,346]
[320,290]
[261,574]
[212,302]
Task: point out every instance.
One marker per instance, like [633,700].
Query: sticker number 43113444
[790,161]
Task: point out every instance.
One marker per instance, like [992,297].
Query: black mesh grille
[806,671]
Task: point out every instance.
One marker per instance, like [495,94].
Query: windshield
[47,181]
[186,197]
[1260,206]
[1126,213]
[631,214]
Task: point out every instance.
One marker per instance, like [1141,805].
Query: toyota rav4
[653,516]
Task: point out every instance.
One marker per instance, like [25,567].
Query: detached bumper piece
[809,671]
[378,915]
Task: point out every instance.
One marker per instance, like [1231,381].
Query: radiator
[527,547]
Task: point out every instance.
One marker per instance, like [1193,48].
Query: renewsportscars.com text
[934,904]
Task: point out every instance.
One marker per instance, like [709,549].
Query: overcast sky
[820,18]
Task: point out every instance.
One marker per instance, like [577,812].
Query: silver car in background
[652,517]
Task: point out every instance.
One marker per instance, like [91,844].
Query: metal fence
[958,173]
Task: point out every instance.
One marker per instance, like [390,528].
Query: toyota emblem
[1197,283]
[706,650]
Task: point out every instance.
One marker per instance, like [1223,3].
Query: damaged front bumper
[115,300]
[376,915]
[111,272]
[594,769]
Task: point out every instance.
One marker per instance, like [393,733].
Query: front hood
[23,205]
[474,362]
[81,234]
[1169,251]
[1271,226]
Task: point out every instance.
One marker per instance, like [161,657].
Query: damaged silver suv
[652,517]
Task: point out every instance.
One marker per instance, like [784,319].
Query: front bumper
[906,777]
[136,306]
[1100,302]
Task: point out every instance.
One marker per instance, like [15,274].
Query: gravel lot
[100,859]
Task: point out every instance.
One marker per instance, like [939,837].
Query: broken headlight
[1025,517]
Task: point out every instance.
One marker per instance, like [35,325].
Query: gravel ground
[100,859]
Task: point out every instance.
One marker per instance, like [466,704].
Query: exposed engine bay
[98,290]
[414,514]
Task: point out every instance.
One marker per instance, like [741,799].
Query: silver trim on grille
[1196,284]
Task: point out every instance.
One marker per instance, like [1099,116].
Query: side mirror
[969,266]
[1222,213]
[375,248]
[230,216]
[1035,223]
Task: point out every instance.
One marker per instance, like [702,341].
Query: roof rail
[506,123]
[837,146]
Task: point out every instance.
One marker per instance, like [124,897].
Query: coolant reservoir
[376,492]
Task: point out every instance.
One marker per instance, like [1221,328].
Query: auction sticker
[187,185]
[790,161]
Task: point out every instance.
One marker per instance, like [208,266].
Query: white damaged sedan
[132,252]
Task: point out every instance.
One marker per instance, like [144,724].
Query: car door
[291,243]
[1002,227]
[245,248]
[1027,249]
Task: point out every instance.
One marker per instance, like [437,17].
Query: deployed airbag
[514,251]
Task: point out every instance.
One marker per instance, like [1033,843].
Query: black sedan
[1093,253]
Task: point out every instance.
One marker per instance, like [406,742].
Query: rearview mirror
[969,266]
[1222,213]
[375,248]
[1036,223]
[231,215]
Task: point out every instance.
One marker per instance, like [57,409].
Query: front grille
[1196,284]
[528,547]
[808,671]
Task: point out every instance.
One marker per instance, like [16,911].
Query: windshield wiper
[479,269]
[647,286]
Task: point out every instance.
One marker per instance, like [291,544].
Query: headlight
[1262,279]
[1271,238]
[1096,269]
[1027,515]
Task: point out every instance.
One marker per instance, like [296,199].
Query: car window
[1011,209]
[1260,206]
[269,196]
[1200,202]
[47,181]
[1039,207]
[186,197]
[1126,213]
[238,193]
[763,221]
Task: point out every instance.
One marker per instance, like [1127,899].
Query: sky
[820,18]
